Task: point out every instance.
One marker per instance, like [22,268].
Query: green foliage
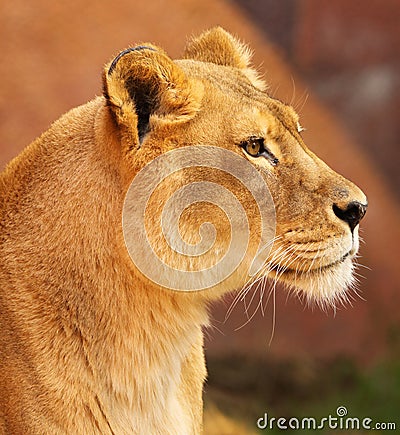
[245,389]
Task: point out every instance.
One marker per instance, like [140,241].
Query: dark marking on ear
[146,99]
[144,96]
[123,53]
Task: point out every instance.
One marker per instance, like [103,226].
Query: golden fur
[88,345]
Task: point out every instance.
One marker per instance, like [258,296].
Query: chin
[327,287]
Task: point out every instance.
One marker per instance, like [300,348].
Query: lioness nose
[353,213]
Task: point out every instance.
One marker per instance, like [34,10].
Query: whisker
[273,317]
[262,291]
[293,92]
[241,295]
[260,280]
[259,284]
[363,266]
[299,107]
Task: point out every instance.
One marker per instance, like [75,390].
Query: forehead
[231,93]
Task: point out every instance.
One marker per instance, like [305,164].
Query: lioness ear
[220,47]
[143,85]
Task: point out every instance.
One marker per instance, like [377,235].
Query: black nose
[353,213]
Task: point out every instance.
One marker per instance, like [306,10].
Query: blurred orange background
[336,61]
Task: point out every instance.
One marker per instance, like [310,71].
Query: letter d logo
[262,422]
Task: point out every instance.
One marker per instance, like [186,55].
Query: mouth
[325,284]
[282,270]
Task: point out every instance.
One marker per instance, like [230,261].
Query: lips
[281,269]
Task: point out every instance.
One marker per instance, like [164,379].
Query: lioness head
[213,98]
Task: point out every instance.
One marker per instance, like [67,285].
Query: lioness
[88,343]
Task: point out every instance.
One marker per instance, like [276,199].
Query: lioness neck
[122,349]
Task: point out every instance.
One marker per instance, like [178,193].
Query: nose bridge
[339,189]
[345,192]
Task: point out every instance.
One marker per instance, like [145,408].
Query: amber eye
[254,146]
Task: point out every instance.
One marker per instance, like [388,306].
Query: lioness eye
[254,146]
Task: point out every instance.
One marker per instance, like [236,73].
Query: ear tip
[123,53]
[218,46]
[216,30]
[211,34]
